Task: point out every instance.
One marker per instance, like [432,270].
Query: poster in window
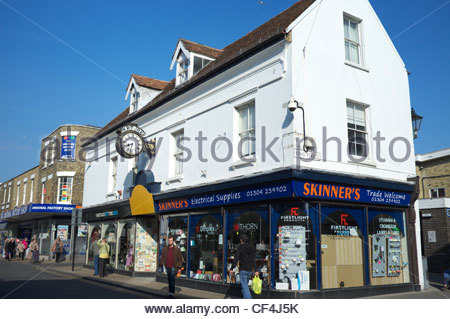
[68,147]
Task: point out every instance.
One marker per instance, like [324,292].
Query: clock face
[129,144]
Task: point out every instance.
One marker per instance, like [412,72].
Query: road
[21,279]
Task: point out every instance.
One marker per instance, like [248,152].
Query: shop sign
[51,208]
[226,198]
[351,194]
[107,214]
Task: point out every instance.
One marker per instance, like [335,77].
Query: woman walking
[34,248]
[103,256]
[57,249]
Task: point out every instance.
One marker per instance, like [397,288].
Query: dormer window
[134,100]
[183,69]
[200,63]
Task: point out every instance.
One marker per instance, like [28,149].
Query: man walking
[172,259]
[245,256]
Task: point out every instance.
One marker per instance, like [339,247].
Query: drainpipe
[414,272]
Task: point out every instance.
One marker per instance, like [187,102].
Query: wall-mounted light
[416,122]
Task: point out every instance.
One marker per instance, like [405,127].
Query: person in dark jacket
[172,259]
[11,247]
[245,256]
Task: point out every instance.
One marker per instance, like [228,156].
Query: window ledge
[246,161]
[367,163]
[174,179]
[357,66]
[64,203]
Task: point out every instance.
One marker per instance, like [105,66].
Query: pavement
[141,285]
[48,273]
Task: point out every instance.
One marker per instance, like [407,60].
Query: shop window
[110,234]
[206,247]
[388,251]
[146,245]
[95,232]
[252,221]
[175,226]
[294,246]
[342,247]
[125,258]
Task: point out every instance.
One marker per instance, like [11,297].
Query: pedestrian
[103,256]
[172,259]
[96,253]
[25,243]
[34,248]
[20,250]
[5,248]
[57,249]
[11,246]
[245,260]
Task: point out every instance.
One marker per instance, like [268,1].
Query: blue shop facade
[312,232]
[44,222]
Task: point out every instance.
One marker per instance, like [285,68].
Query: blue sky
[45,84]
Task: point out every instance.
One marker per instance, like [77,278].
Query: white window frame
[9,193]
[134,100]
[366,132]
[24,192]
[31,190]
[18,194]
[359,44]
[43,191]
[69,201]
[436,189]
[183,66]
[113,168]
[4,194]
[205,61]
[250,131]
[177,153]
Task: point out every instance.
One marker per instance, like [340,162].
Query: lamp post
[416,122]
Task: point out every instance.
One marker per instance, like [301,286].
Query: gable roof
[201,48]
[149,82]
[271,31]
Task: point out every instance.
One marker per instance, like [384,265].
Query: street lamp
[416,122]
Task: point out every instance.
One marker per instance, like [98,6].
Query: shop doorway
[342,243]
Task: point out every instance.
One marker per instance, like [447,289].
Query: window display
[294,246]
[206,247]
[252,221]
[146,245]
[110,234]
[342,247]
[388,251]
[95,233]
[125,258]
[177,227]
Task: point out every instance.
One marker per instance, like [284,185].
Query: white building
[325,70]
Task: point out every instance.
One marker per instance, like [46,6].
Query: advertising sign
[351,194]
[62,232]
[226,198]
[68,147]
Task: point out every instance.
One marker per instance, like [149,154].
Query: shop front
[132,239]
[43,222]
[309,235]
